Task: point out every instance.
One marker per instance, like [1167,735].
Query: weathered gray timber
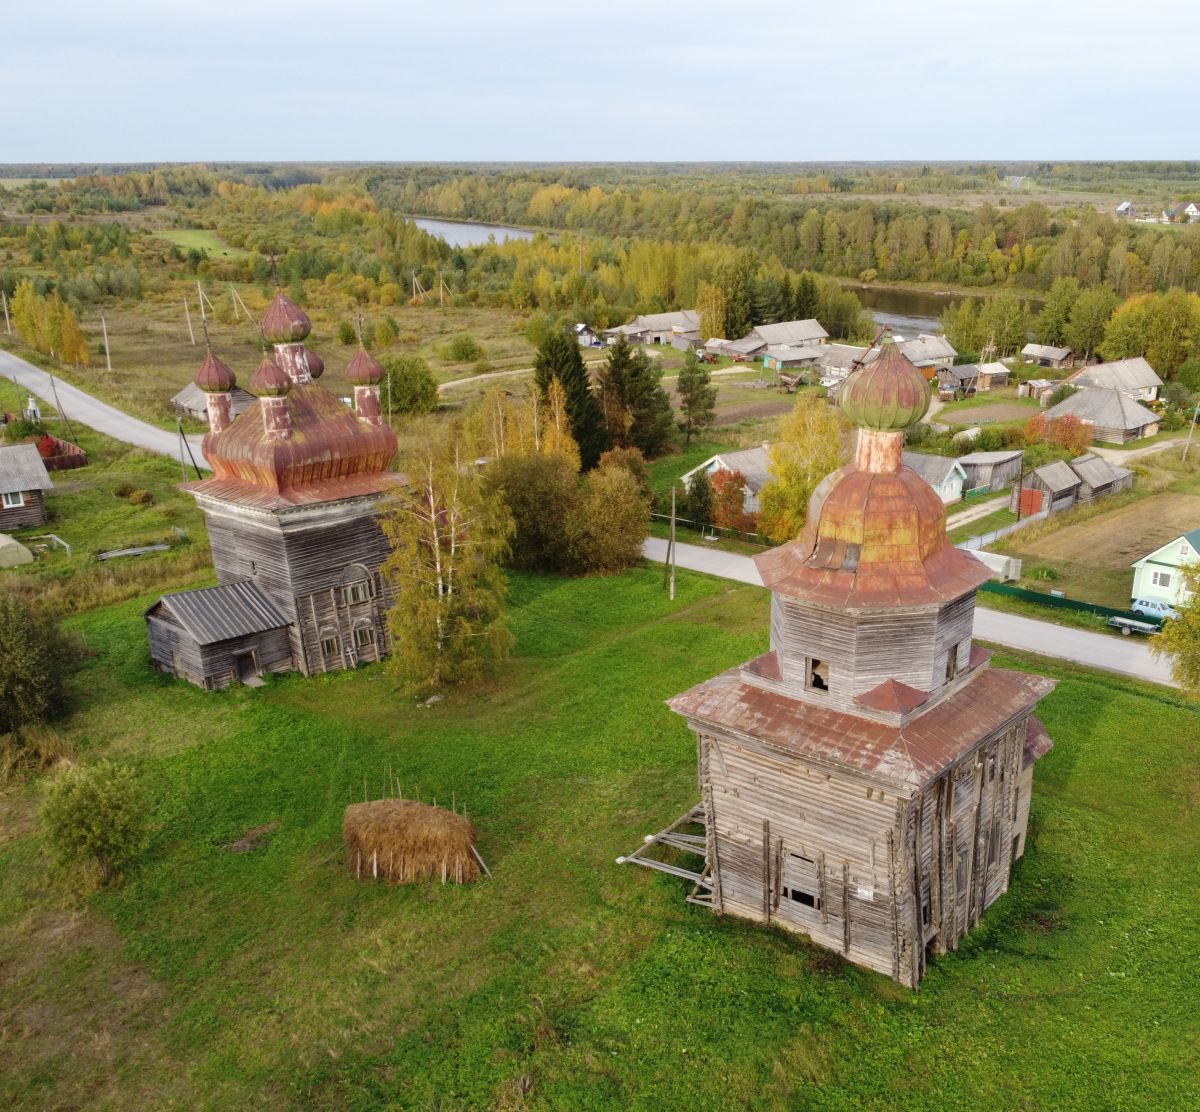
[21,509]
[23,483]
[866,782]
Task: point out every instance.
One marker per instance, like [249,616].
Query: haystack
[402,840]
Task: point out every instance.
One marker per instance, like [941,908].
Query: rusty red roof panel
[893,696]
[1037,742]
[912,755]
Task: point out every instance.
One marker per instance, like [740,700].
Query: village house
[292,509]
[754,465]
[23,485]
[1051,487]
[1113,416]
[586,336]
[1099,478]
[1157,576]
[867,781]
[789,333]
[971,378]
[991,470]
[192,402]
[1045,355]
[1125,209]
[929,354]
[944,473]
[748,347]
[1185,212]
[1039,388]
[783,358]
[657,328]
[1135,378]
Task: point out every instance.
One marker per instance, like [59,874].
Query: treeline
[1027,247]
[1164,328]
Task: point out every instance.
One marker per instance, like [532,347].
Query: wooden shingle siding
[33,512]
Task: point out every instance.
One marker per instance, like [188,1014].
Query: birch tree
[448,536]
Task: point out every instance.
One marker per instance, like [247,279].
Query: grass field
[202,239]
[274,979]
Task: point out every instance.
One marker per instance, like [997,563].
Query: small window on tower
[817,675]
[800,882]
[357,592]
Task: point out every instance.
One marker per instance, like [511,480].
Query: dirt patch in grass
[754,410]
[1114,540]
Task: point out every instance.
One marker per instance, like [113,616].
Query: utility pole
[672,545]
[1191,429]
[107,356]
[233,298]
[7,322]
[188,315]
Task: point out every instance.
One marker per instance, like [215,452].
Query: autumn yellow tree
[1179,639]
[811,444]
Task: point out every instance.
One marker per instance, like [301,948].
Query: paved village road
[1125,655]
[98,415]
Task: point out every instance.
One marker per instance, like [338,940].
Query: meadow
[276,979]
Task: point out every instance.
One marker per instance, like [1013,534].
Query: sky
[538,80]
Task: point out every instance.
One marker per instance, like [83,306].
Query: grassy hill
[273,979]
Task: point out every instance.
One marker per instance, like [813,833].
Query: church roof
[910,756]
[214,614]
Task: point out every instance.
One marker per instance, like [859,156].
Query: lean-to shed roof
[213,614]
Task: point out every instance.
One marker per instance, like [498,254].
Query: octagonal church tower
[293,519]
[865,782]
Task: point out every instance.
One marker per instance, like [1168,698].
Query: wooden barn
[23,485]
[1098,477]
[867,781]
[1053,486]
[994,470]
[293,506]
[216,636]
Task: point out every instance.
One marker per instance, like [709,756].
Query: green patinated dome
[888,393]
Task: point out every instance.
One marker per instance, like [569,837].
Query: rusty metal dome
[270,379]
[364,369]
[214,377]
[887,393]
[316,365]
[285,322]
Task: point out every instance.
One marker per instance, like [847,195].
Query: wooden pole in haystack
[188,315]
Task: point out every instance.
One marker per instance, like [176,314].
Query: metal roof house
[866,782]
[1157,576]
[754,464]
[1046,355]
[24,481]
[1098,477]
[293,519]
[992,469]
[789,333]
[1113,415]
[944,473]
[1060,485]
[1135,378]
[657,328]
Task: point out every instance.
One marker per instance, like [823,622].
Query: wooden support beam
[895,894]
[845,908]
[766,870]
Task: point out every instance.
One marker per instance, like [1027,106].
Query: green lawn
[202,239]
[273,979]
[981,525]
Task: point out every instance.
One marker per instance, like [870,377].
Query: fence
[984,539]
[714,532]
[1059,603]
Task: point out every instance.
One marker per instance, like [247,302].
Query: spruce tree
[559,358]
[806,298]
[613,393]
[652,421]
[697,396]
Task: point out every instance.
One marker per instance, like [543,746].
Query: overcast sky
[792,80]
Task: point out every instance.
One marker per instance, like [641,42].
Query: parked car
[1153,608]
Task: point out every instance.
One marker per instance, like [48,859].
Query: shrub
[463,349]
[409,386]
[35,657]
[1060,395]
[605,530]
[141,498]
[385,333]
[729,495]
[22,428]
[123,490]
[95,813]
[634,462]
[541,492]
[346,332]
[1042,571]
[700,497]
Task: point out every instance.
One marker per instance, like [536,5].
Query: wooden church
[867,781]
[292,509]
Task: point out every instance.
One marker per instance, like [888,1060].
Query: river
[460,234]
[907,311]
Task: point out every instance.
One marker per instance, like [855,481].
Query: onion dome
[214,377]
[364,369]
[316,365]
[888,393]
[270,379]
[285,322]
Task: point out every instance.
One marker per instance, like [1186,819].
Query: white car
[1153,608]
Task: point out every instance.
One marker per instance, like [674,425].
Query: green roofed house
[1158,576]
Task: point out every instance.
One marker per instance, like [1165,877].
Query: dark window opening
[330,646]
[925,913]
[364,636]
[817,678]
[960,870]
[994,843]
[991,769]
[952,663]
[357,592]
[806,898]
[800,882]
